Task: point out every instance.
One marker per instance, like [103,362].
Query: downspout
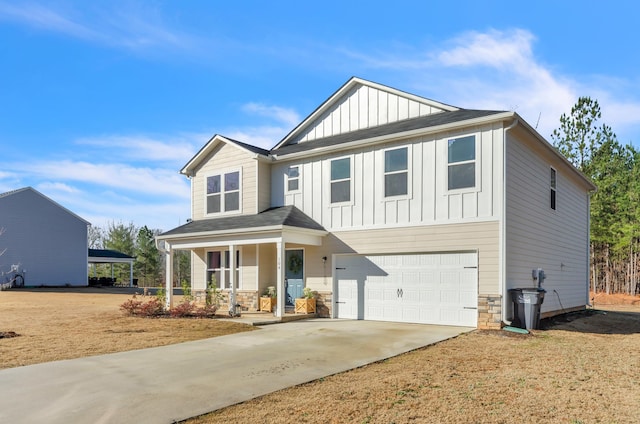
[588,301]
[503,223]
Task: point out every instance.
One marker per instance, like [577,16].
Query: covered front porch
[243,255]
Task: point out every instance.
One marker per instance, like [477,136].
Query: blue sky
[102,102]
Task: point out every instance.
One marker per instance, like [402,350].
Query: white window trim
[240,192]
[222,282]
[409,174]
[351,185]
[477,162]
[554,189]
[286,179]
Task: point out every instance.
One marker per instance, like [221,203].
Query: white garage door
[421,288]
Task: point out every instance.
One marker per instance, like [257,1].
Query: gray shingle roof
[107,253]
[433,120]
[249,147]
[278,216]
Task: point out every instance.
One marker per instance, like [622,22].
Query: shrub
[209,311]
[131,306]
[152,308]
[184,309]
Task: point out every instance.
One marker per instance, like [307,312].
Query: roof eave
[247,231]
[397,136]
[592,187]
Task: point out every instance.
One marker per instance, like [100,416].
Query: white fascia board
[398,136]
[304,238]
[110,260]
[186,244]
[256,230]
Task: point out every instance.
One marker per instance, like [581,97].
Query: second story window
[223,192]
[293,179]
[396,172]
[341,180]
[553,188]
[461,159]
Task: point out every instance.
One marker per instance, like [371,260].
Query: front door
[294,278]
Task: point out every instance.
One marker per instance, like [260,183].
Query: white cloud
[41,17]
[135,147]
[265,137]
[496,49]
[499,70]
[127,178]
[287,116]
[135,29]
[57,187]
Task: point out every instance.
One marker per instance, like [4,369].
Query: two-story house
[391,207]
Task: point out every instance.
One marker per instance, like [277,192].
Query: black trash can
[526,307]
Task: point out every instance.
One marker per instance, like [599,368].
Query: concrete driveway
[170,383]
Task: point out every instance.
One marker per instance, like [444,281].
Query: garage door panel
[421,288]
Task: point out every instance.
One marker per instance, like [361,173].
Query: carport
[108,256]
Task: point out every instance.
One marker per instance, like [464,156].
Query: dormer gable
[360,104]
[205,152]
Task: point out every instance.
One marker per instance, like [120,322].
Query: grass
[580,369]
[56,324]
[586,370]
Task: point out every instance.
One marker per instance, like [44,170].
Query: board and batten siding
[263,185]
[428,202]
[364,107]
[540,237]
[224,158]
[44,239]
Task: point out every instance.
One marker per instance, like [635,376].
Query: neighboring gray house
[392,207]
[44,240]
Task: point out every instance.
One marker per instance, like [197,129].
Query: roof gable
[209,147]
[360,104]
[35,192]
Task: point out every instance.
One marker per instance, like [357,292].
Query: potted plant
[268,299]
[306,304]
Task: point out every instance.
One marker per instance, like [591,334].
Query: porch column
[280,279]
[130,274]
[232,274]
[168,275]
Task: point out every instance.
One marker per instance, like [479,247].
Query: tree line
[138,242]
[614,168]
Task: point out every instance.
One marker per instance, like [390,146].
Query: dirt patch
[57,324]
[582,368]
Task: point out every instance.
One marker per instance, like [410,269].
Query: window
[553,189]
[223,192]
[218,267]
[462,162]
[396,172]
[341,180]
[293,178]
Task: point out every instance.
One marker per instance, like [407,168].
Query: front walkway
[171,383]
